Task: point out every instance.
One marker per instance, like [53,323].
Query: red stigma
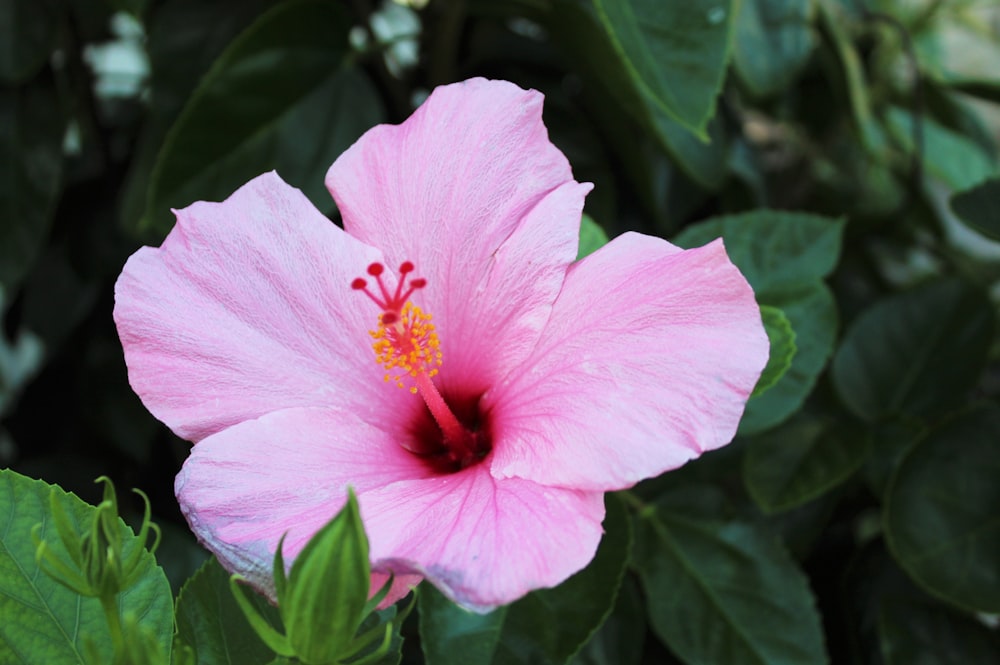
[390,303]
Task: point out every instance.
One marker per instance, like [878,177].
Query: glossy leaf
[44,622]
[675,53]
[941,511]
[212,625]
[724,592]
[916,353]
[31,134]
[799,461]
[782,339]
[979,207]
[774,39]
[546,626]
[282,96]
[784,256]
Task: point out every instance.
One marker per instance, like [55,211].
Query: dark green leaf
[282,96]
[725,593]
[185,38]
[979,207]
[924,634]
[702,160]
[27,37]
[620,640]
[917,353]
[675,52]
[547,626]
[212,625]
[784,256]
[44,622]
[941,511]
[592,237]
[799,461]
[31,134]
[782,339]
[774,39]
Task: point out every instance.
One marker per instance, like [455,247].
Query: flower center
[407,347]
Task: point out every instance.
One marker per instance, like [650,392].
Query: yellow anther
[407,346]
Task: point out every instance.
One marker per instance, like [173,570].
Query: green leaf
[799,461]
[784,256]
[327,589]
[27,37]
[546,626]
[777,251]
[941,511]
[917,353]
[675,52]
[619,641]
[702,160]
[282,96]
[774,39]
[953,158]
[782,339]
[725,593]
[210,622]
[592,237]
[31,134]
[979,207]
[44,622]
[924,634]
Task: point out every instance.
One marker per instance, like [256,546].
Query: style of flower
[510,386]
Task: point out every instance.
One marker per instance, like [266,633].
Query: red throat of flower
[407,347]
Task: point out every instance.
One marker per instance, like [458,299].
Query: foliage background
[850,164]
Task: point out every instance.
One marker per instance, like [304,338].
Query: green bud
[98,568]
[324,602]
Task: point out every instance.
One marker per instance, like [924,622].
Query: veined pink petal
[483,542]
[246,308]
[285,473]
[647,361]
[447,189]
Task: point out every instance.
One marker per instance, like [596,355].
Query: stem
[114,623]
[453,431]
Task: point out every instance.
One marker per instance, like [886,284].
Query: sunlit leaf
[43,621]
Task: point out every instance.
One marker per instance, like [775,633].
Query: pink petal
[285,473]
[647,361]
[471,190]
[483,542]
[247,308]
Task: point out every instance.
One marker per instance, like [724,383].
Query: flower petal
[483,542]
[285,473]
[468,188]
[647,361]
[245,308]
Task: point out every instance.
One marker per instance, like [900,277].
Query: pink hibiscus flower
[540,383]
